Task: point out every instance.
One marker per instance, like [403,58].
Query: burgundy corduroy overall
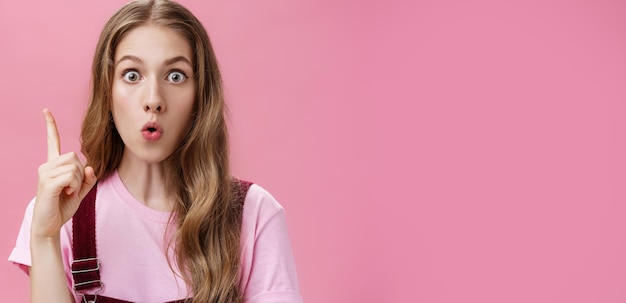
[86,265]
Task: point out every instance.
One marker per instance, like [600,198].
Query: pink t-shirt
[131,248]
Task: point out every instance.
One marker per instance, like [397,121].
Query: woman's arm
[47,275]
[63,182]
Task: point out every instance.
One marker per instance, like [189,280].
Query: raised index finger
[54,144]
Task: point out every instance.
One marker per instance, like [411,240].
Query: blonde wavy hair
[207,236]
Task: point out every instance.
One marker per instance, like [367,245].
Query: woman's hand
[63,183]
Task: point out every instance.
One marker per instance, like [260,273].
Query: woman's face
[153,92]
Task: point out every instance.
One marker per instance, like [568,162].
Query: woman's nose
[154,100]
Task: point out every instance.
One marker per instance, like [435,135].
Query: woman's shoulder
[260,205]
[258,196]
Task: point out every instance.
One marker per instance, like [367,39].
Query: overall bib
[86,265]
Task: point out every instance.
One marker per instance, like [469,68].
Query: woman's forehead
[153,44]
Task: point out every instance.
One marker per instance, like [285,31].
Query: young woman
[154,215]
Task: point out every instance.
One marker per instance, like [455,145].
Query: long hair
[207,237]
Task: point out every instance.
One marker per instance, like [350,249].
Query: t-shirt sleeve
[268,267]
[20,255]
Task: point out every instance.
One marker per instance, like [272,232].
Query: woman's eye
[131,76]
[176,77]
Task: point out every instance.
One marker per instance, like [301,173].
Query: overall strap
[240,190]
[86,266]
[103,299]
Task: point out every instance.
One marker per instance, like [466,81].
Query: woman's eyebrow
[131,58]
[177,59]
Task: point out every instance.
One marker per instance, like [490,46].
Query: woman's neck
[146,182]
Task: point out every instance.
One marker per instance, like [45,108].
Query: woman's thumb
[89,181]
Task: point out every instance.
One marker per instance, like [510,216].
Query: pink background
[425,151]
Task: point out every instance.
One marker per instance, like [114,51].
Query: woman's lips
[151,131]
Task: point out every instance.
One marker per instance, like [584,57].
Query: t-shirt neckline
[139,208]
